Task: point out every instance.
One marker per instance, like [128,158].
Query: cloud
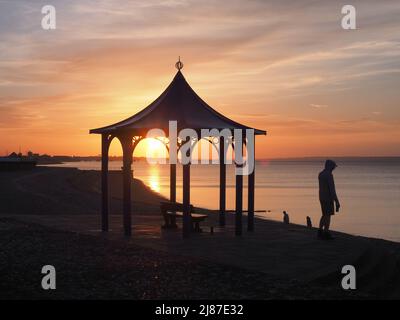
[290,126]
[318,106]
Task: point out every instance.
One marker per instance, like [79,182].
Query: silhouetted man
[327,198]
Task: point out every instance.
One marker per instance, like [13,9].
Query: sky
[287,67]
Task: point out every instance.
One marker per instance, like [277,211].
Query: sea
[368,189]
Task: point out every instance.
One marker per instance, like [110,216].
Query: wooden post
[127,181]
[250,198]
[239,197]
[173,157]
[239,205]
[104,182]
[172,183]
[250,205]
[186,229]
[222,182]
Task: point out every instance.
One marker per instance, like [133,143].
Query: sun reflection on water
[154,178]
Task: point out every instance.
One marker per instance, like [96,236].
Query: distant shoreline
[338,158]
[60,160]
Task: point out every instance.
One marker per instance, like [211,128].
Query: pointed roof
[178,102]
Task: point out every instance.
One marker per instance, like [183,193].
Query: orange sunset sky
[283,66]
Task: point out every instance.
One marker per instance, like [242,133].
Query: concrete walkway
[285,251]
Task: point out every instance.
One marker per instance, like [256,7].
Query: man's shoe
[320,234]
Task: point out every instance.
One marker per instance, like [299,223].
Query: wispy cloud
[319,106]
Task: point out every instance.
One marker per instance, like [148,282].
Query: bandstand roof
[178,102]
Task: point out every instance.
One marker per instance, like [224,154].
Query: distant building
[12,155]
[16,162]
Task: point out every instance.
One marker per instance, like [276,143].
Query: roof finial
[179,64]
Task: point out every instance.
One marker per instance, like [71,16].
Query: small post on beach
[127,181]
[309,223]
[222,181]
[104,182]
[286,217]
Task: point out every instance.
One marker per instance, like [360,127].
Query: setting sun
[155,145]
[152,148]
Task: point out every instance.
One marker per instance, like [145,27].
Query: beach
[368,189]
[52,216]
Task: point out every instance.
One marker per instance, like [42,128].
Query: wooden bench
[172,210]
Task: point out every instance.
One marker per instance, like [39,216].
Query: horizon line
[258,159]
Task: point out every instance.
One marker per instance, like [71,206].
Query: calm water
[369,191]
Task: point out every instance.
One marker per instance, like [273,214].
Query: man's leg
[321,226]
[323,219]
[327,222]
[321,222]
